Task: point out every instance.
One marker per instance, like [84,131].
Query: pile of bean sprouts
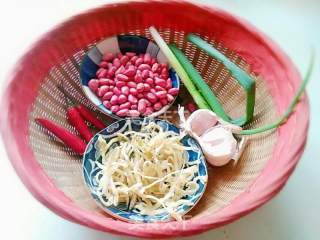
[147,170]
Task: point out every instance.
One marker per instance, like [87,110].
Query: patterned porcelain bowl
[117,44]
[91,169]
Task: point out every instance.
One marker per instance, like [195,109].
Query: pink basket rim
[271,180]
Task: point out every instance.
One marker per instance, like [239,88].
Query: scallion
[197,97]
[196,78]
[243,78]
[291,107]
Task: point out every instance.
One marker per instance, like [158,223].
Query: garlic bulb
[214,135]
[218,145]
[201,120]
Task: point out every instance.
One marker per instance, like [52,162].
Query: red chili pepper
[84,112]
[77,121]
[191,107]
[68,138]
[87,115]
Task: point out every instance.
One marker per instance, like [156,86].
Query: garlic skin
[214,135]
[201,120]
[218,145]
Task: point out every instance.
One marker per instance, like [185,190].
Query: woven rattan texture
[225,183]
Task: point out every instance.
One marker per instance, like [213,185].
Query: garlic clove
[201,120]
[218,145]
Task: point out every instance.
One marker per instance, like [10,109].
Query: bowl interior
[117,44]
[91,169]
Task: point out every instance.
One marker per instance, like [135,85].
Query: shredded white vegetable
[146,170]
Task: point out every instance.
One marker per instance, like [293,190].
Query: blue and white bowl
[91,169]
[117,44]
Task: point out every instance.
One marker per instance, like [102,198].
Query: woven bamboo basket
[52,172]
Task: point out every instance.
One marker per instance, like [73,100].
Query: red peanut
[133,113]
[120,70]
[114,108]
[145,73]
[173,91]
[157,106]
[191,107]
[158,88]
[140,95]
[103,64]
[139,61]
[149,81]
[149,110]
[130,72]
[132,84]
[116,91]
[120,84]
[122,77]
[107,96]
[103,81]
[133,91]
[144,67]
[125,106]
[161,94]
[151,97]
[138,78]
[142,105]
[114,100]
[140,87]
[132,99]
[107,104]
[124,59]
[147,58]
[134,107]
[116,62]
[111,71]
[170,98]
[122,98]
[130,54]
[102,73]
[138,83]
[164,101]
[155,67]
[102,90]
[160,82]
[111,83]
[133,59]
[146,87]
[169,83]
[108,57]
[122,112]
[93,85]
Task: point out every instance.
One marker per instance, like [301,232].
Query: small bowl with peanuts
[128,76]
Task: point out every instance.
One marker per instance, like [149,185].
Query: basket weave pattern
[225,183]
[52,172]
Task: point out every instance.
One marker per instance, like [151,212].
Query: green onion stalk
[243,78]
[205,90]
[291,107]
[197,97]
